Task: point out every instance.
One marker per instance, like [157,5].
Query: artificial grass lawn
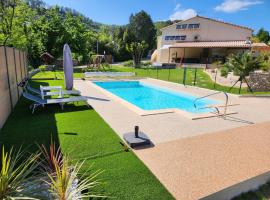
[83,134]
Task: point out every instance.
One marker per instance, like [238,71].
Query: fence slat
[16,73]
[19,74]
[12,70]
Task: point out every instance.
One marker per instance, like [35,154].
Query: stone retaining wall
[259,82]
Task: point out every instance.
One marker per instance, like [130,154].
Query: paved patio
[201,162]
[196,167]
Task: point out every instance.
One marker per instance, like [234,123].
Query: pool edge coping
[142,112]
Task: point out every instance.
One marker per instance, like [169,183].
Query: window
[176,37]
[167,37]
[193,26]
[183,37]
[181,26]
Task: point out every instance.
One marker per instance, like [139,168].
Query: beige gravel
[196,167]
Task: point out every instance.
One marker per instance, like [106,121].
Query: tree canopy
[263,36]
[36,27]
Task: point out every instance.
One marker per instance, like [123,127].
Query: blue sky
[251,13]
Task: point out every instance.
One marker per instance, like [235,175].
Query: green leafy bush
[42,68]
[128,63]
[224,71]
[80,59]
[147,64]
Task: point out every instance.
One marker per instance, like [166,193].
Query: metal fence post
[11,103]
[185,75]
[195,77]
[157,72]
[215,78]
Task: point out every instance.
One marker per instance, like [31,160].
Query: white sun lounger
[42,102]
[108,74]
[54,93]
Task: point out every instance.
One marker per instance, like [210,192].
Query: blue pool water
[148,97]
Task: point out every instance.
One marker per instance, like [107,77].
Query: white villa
[203,40]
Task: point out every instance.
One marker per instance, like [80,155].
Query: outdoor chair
[42,102]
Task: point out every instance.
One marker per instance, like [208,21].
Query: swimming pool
[149,97]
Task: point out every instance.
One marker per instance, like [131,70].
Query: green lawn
[174,75]
[83,134]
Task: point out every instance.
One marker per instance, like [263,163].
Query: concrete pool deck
[175,135]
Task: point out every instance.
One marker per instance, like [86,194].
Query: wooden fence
[12,70]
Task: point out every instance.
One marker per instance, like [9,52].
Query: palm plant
[242,65]
[15,179]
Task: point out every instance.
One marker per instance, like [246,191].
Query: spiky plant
[16,175]
[52,157]
[64,179]
[68,184]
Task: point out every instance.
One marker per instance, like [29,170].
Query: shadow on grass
[26,131]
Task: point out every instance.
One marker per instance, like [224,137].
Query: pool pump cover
[137,138]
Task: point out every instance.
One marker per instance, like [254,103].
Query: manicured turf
[83,134]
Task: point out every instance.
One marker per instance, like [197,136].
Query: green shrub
[224,71]
[106,65]
[42,68]
[128,63]
[80,59]
[147,64]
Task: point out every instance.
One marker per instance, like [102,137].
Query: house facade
[201,40]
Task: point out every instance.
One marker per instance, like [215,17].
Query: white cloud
[177,7]
[230,6]
[183,14]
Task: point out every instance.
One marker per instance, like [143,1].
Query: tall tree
[263,35]
[7,13]
[142,28]
[140,36]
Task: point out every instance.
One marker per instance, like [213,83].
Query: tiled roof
[213,44]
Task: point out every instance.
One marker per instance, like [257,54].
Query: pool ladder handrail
[226,102]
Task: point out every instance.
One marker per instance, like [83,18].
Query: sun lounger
[42,102]
[54,93]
